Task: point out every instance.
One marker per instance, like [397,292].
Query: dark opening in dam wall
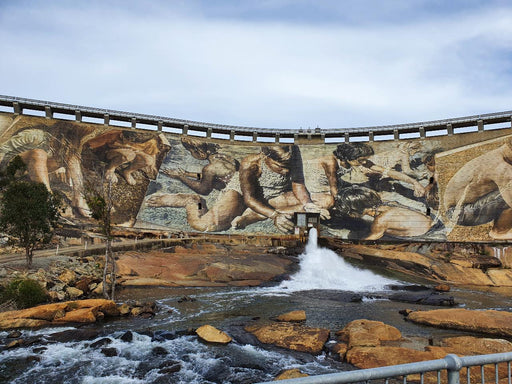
[198,177]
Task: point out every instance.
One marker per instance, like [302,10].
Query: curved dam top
[443,180]
[234,132]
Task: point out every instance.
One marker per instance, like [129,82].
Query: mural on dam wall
[68,156]
[440,188]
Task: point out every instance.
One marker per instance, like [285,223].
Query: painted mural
[439,188]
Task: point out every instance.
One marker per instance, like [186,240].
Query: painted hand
[283,222]
[313,208]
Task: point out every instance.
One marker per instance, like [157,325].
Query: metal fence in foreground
[493,368]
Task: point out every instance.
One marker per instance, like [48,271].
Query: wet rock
[291,336]
[74,335]
[14,334]
[32,359]
[442,288]
[101,342]
[425,298]
[127,337]
[212,335]
[109,352]
[124,309]
[290,374]
[39,349]
[490,322]
[170,368]
[159,351]
[185,299]
[294,316]
[15,344]
[340,349]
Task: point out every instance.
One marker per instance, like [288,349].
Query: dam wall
[448,180]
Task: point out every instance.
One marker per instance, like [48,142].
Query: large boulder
[291,336]
[367,333]
[212,335]
[80,311]
[490,322]
[372,357]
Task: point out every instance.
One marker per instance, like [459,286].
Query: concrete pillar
[232,136]
[106,119]
[48,112]
[322,137]
[184,130]
[480,124]
[422,132]
[160,125]
[347,137]
[295,137]
[370,136]
[449,129]
[18,110]
[396,135]
[78,116]
[255,136]
[209,133]
[134,122]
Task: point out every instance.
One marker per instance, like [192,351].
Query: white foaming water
[321,268]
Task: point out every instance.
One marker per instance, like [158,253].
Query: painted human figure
[215,175]
[393,220]
[480,192]
[357,168]
[134,156]
[266,181]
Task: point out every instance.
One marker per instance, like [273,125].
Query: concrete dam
[444,180]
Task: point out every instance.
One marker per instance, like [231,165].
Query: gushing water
[321,268]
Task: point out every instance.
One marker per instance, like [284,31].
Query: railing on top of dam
[424,129]
[451,364]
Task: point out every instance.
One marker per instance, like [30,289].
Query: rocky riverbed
[208,289]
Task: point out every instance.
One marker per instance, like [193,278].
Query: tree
[100,202]
[29,213]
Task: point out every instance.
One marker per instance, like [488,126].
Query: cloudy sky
[264,63]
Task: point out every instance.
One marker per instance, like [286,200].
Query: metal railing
[451,369]
[19,104]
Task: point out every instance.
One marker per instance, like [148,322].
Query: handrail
[19,103]
[452,363]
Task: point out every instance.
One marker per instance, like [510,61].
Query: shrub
[25,293]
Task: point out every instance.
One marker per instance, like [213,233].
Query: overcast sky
[264,63]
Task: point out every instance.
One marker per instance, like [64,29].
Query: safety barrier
[451,365]
[233,132]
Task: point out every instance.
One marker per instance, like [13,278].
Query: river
[165,349]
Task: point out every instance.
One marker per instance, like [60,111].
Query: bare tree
[100,202]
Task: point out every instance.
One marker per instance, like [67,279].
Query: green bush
[25,293]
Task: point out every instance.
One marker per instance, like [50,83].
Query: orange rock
[469,345]
[442,288]
[212,335]
[290,374]
[108,307]
[82,315]
[368,357]
[294,316]
[291,336]
[367,333]
[491,322]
